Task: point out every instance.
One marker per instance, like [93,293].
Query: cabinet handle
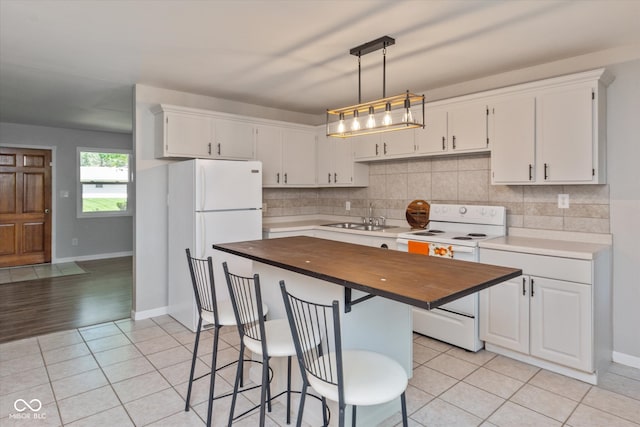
[335,177]
[209,149]
[278,178]
[385,148]
[376,149]
[329,178]
[454,142]
[524,289]
[532,292]
[545,171]
[285,177]
[530,172]
[443,146]
[219,148]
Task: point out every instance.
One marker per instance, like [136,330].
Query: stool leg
[193,365]
[236,383]
[289,390]
[212,384]
[303,395]
[353,415]
[403,402]
[265,392]
[325,421]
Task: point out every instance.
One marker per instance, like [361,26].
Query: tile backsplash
[459,179]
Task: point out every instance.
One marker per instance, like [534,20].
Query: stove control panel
[471,214]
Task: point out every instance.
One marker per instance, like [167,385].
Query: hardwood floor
[48,305]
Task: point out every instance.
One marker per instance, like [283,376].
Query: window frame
[79,193]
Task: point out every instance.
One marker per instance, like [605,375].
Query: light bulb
[341,123]
[355,125]
[407,116]
[386,120]
[371,121]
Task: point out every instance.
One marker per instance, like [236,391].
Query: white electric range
[454,231]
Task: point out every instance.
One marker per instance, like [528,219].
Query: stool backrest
[246,300]
[316,334]
[201,271]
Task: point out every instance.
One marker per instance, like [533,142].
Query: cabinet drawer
[573,270]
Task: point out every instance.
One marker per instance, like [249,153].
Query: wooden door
[25,203]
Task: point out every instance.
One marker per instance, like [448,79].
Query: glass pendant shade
[355,125]
[371,121]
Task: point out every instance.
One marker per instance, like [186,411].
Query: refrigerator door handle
[203,188]
[203,236]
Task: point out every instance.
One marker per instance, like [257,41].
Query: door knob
[46,211]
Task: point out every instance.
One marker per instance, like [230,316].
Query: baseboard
[146,314]
[626,359]
[92,257]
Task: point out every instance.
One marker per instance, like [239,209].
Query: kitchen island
[375,287]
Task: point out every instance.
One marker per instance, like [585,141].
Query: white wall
[97,237]
[623,130]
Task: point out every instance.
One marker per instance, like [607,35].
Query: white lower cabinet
[543,317]
[549,317]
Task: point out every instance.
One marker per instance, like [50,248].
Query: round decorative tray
[418,214]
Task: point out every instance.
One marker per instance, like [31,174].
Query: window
[104,184]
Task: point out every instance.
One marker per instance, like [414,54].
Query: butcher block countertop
[418,280]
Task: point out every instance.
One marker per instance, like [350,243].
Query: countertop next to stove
[550,247]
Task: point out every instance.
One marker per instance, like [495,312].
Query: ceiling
[74,63]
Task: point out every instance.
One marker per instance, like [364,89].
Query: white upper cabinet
[287,156]
[233,139]
[566,134]
[192,133]
[459,127]
[335,163]
[551,132]
[513,143]
[433,139]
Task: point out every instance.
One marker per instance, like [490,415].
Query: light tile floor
[128,373]
[40,271]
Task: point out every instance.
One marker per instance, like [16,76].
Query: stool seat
[369,378]
[279,339]
[225,313]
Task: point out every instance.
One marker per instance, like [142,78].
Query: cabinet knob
[329,178]
[444,147]
[454,142]
[546,175]
[335,177]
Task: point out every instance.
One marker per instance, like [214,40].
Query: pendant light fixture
[382,115]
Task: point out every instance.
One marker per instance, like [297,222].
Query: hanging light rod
[383,115]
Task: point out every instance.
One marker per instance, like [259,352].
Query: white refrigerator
[209,201]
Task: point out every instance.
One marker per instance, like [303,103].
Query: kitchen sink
[358,226]
[350,225]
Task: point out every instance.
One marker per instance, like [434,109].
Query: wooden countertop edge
[427,305]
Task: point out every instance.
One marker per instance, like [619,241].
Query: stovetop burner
[425,233]
[435,231]
[477,235]
[462,238]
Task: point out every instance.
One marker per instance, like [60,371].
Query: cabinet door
[234,140]
[367,147]
[325,159]
[188,135]
[513,141]
[433,138]
[269,152]
[566,134]
[561,322]
[504,314]
[398,142]
[298,157]
[467,127]
[343,162]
